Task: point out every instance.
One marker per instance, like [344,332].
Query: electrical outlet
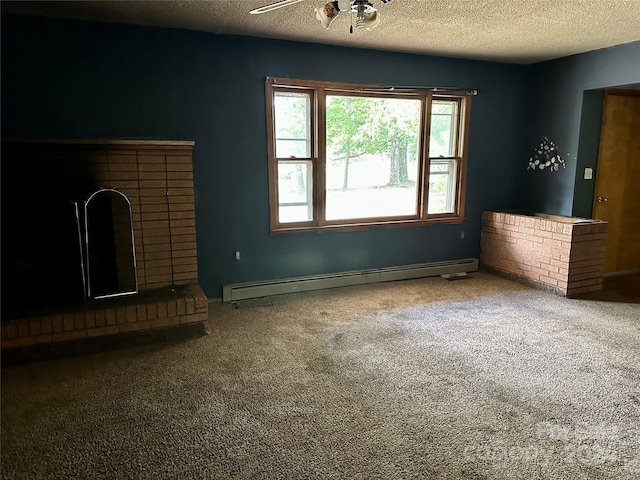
[462,235]
[588,173]
[238,255]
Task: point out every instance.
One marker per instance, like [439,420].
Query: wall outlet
[588,173]
[238,255]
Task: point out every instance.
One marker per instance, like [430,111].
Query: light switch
[588,173]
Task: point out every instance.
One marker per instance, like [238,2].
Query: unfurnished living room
[292,239]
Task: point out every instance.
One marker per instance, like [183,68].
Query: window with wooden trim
[350,156]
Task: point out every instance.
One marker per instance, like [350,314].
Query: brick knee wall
[558,252]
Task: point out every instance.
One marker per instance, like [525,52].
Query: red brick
[574,291]
[548,280]
[178,231]
[162,310]
[582,238]
[100,318]
[555,242]
[78,321]
[181,175]
[141,312]
[558,276]
[193,268]
[35,328]
[562,237]
[157,175]
[172,309]
[185,254]
[90,319]
[582,283]
[152,311]
[23,328]
[68,322]
[179,168]
[64,336]
[181,307]
[110,316]
[132,313]
[179,156]
[121,315]
[12,330]
[595,270]
[181,206]
[201,301]
[57,323]
[152,157]
[99,331]
[544,234]
[196,317]
[18,342]
[165,322]
[191,306]
[135,326]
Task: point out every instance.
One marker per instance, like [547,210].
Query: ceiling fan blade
[273,6]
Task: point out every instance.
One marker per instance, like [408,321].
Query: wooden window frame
[318,91]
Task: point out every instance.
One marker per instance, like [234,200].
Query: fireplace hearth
[98,238]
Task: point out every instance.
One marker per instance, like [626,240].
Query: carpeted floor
[474,379]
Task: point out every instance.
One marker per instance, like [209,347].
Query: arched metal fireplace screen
[110,250]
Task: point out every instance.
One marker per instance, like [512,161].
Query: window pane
[292,112]
[294,192]
[372,157]
[443,129]
[442,186]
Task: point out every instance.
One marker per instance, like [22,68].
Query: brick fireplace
[45,184]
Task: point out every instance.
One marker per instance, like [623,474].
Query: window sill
[359,226]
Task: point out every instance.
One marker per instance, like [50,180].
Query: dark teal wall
[588,149]
[75,79]
[555,110]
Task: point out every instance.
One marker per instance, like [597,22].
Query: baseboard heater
[242,291]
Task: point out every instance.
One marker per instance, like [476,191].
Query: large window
[344,156]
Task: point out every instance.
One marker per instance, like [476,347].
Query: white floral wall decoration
[547,155]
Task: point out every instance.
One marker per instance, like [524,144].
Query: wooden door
[617,193]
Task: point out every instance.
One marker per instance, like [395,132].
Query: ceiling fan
[367,17]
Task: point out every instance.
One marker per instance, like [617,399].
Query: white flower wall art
[547,155]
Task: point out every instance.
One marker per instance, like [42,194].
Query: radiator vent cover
[242,291]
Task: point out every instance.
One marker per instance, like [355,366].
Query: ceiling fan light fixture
[327,14]
[367,17]
[367,20]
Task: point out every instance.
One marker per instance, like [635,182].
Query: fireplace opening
[110,251]
[64,252]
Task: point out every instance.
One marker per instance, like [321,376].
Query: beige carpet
[479,378]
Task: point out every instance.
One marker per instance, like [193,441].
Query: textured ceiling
[517,31]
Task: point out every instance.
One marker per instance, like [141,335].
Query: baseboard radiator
[242,291]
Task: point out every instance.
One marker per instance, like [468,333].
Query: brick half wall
[564,254]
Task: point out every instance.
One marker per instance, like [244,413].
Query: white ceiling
[515,31]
